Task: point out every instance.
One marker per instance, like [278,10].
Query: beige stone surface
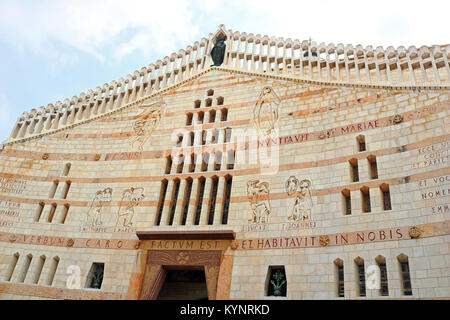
[319,120]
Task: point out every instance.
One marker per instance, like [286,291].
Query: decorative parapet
[247,53]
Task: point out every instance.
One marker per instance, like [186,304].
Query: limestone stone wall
[116,171]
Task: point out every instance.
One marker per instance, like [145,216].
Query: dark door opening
[184,285]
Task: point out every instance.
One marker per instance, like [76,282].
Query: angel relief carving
[148,119]
[260,206]
[131,198]
[266,112]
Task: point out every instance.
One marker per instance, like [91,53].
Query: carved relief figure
[132,197]
[149,117]
[303,201]
[94,216]
[260,208]
[266,112]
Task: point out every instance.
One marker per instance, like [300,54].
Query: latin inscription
[15,186]
[4,223]
[298,225]
[436,188]
[123,156]
[108,229]
[185,244]
[254,227]
[9,209]
[433,155]
[314,241]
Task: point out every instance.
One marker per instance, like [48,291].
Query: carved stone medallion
[415,232]
[182,257]
[397,119]
[324,241]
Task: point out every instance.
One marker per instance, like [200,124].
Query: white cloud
[89,26]
[116,28]
[383,22]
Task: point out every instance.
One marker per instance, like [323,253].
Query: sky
[54,49]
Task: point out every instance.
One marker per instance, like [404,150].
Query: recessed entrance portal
[184,285]
[182,265]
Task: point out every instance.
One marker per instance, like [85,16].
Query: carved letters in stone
[266,112]
[149,117]
[260,207]
[94,216]
[303,204]
[130,199]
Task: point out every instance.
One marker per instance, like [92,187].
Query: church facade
[243,167]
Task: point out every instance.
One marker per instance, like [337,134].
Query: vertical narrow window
[39,267]
[52,192]
[276,282]
[217,160]
[228,135]
[215,136]
[189,119]
[52,271]
[201,190]
[66,169]
[95,276]
[191,138]
[373,169]
[386,196]
[176,189]
[339,265]
[162,199]
[187,198]
[193,161]
[197,104]
[220,101]
[381,262]
[65,191]
[347,202]
[25,268]
[168,164]
[12,266]
[179,140]
[208,102]
[204,133]
[205,161]
[180,163]
[404,275]
[213,198]
[201,115]
[51,215]
[212,116]
[38,213]
[354,174]
[64,213]
[365,197]
[361,140]
[224,115]
[226,198]
[361,276]
[230,159]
